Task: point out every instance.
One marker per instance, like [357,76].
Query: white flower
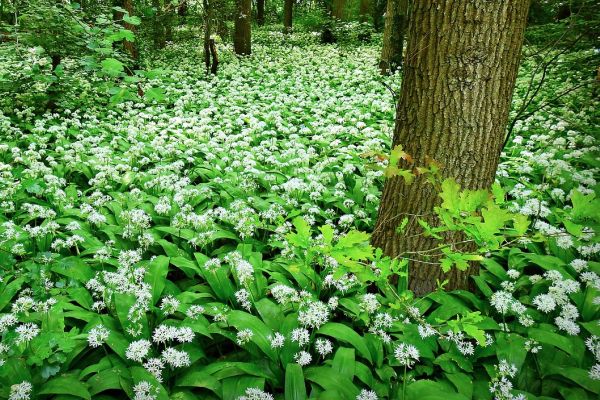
[367,395]
[544,302]
[301,335]
[255,394]
[513,273]
[26,332]
[303,358]
[244,336]
[20,391]
[595,372]
[323,347]
[175,358]
[502,301]
[194,311]
[369,303]
[98,335]
[277,340]
[406,354]
[138,350]
[314,315]
[155,367]
[242,296]
[426,331]
[169,305]
[145,391]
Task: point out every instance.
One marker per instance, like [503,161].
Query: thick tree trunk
[288,7]
[460,70]
[396,24]
[242,36]
[260,12]
[337,8]
[363,10]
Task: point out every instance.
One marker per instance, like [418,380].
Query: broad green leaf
[112,67]
[65,384]
[346,334]
[295,388]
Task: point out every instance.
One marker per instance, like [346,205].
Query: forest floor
[201,188]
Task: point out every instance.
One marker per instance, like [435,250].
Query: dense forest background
[259,199]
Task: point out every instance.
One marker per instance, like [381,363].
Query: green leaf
[156,276]
[432,390]
[112,67]
[450,195]
[133,20]
[329,379]
[348,335]
[154,93]
[65,384]
[577,375]
[572,346]
[343,362]
[242,320]
[295,388]
[200,379]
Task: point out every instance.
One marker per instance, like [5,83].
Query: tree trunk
[377,11]
[460,70]
[130,47]
[242,36]
[396,24]
[260,12]
[288,7]
[363,11]
[337,9]
[159,25]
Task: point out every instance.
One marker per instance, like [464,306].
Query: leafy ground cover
[211,241]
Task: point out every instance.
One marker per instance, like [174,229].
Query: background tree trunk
[377,11]
[159,26]
[363,11]
[130,47]
[337,9]
[460,71]
[396,24]
[260,12]
[288,9]
[242,36]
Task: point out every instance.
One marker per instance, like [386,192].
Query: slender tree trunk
[260,12]
[168,27]
[159,25]
[207,31]
[377,11]
[460,70]
[288,9]
[337,8]
[396,24]
[363,11]
[130,47]
[242,37]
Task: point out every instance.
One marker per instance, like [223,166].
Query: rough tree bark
[242,36]
[288,9]
[363,10]
[337,9]
[459,74]
[396,24]
[260,12]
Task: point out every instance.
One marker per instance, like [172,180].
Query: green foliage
[231,231]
